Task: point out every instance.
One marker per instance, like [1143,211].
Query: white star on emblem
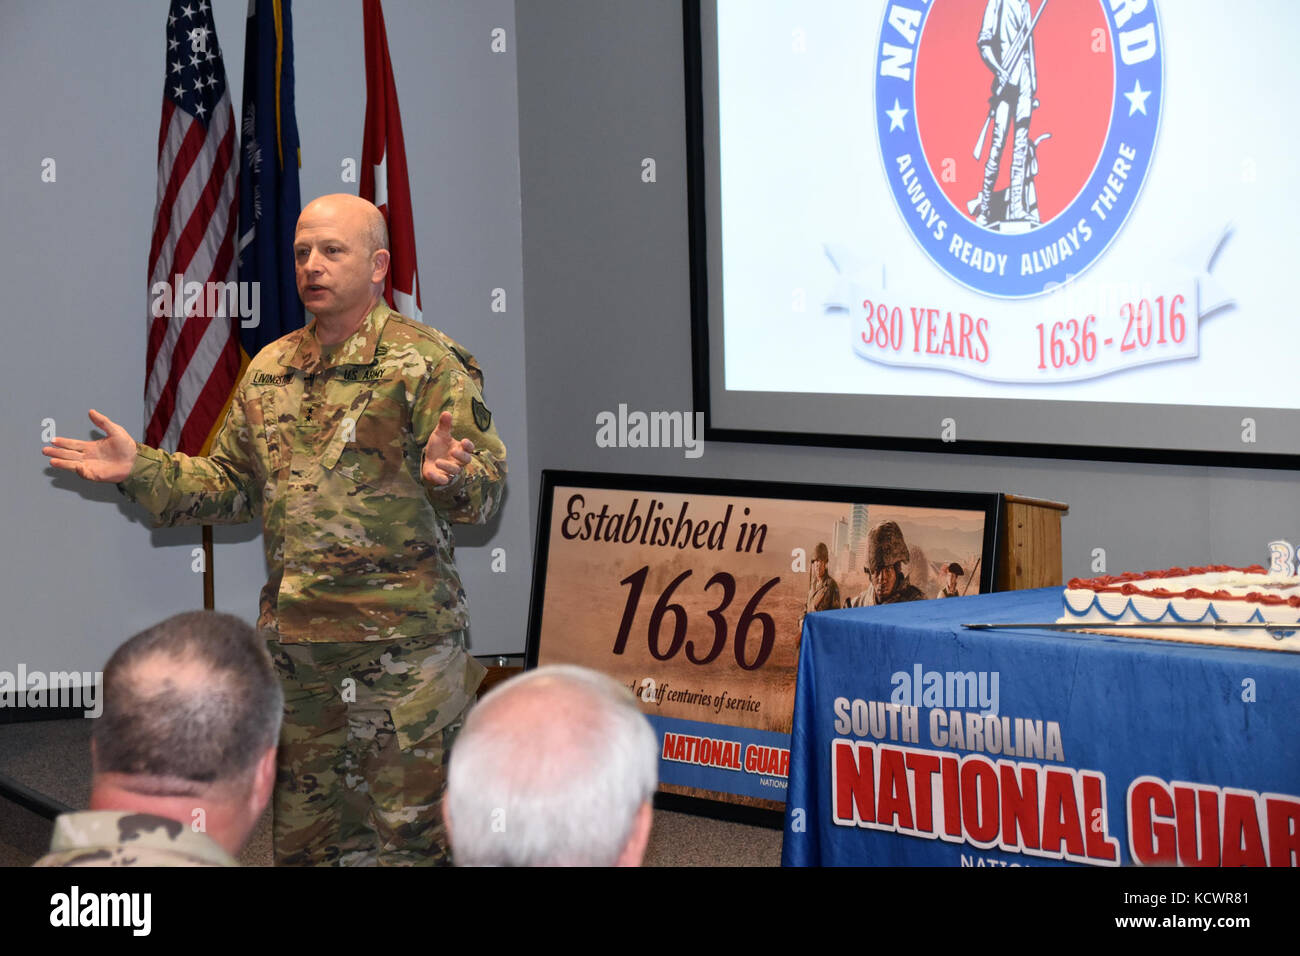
[203,6]
[172,44]
[171,20]
[176,67]
[1137,100]
[200,110]
[179,91]
[896,116]
[188,12]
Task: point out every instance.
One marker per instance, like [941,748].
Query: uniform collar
[356,349]
[91,829]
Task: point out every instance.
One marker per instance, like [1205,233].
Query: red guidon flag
[383,165]
[193,342]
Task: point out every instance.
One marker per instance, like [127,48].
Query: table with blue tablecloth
[919,742]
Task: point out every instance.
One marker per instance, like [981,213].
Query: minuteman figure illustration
[1006,45]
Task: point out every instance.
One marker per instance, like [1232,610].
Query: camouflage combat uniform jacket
[823,595]
[326,444]
[112,838]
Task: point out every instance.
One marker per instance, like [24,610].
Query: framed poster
[692,593]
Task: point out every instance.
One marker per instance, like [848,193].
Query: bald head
[340,251]
[549,715]
[352,213]
[555,767]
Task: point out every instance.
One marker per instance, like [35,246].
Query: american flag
[193,357]
[383,165]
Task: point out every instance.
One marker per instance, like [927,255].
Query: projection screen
[1059,228]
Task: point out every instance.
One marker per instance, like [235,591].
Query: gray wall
[604,270]
[82,83]
[606,279]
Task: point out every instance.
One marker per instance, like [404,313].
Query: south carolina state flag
[269,200]
[383,165]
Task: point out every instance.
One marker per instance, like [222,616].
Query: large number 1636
[749,617]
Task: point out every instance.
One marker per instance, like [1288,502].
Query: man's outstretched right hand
[108,459]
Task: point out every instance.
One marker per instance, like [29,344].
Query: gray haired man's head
[556,767]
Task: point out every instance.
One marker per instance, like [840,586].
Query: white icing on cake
[1199,595]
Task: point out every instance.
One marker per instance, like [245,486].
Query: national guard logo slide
[1005,199]
[1015,139]
[1013,150]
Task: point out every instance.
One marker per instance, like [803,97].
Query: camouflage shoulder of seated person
[113,838]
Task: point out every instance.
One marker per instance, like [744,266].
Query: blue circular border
[1139,130]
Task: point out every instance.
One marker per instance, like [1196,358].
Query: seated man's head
[556,767]
[192,711]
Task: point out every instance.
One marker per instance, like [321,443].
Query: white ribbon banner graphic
[1080,331]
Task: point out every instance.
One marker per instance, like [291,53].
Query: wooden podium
[1029,544]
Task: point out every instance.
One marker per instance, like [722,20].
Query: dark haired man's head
[192,711]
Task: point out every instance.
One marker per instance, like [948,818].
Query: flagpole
[209,588]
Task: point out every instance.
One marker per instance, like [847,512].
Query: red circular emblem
[1074,89]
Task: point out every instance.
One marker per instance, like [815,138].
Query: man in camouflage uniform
[886,554]
[341,436]
[823,591]
[183,755]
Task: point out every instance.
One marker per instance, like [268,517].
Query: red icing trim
[1128,584]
